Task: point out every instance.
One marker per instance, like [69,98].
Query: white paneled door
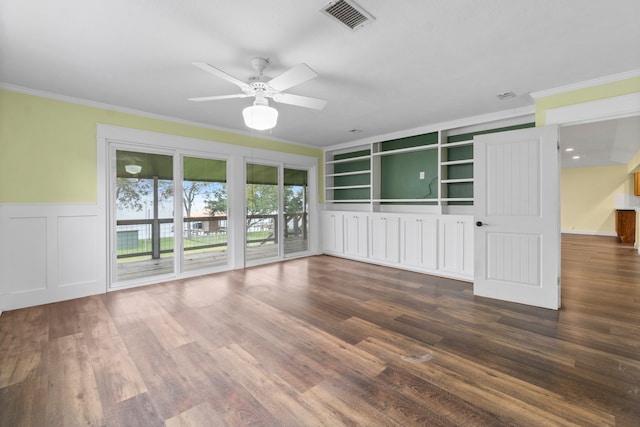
[517,215]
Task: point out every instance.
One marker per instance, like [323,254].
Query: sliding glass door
[262,210]
[277,212]
[144,206]
[204,213]
[296,211]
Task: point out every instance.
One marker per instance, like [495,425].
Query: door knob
[480,223]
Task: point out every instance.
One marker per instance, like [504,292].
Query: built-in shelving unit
[428,172]
[407,202]
[348,177]
[456,171]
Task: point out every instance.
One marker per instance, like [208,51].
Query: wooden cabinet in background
[636,187]
[626,225]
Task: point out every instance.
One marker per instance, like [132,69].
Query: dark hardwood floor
[327,341]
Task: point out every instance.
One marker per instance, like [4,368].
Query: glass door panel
[204,222]
[296,211]
[144,215]
[263,206]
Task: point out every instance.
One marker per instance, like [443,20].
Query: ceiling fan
[260,116]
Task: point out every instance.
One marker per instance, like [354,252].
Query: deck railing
[153,237]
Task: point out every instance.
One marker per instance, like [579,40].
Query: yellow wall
[608,90]
[589,197]
[588,194]
[48,147]
[634,163]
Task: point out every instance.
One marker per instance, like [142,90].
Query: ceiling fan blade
[300,101]
[219,73]
[215,98]
[294,76]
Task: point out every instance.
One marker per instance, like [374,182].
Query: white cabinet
[384,238]
[332,233]
[455,242]
[419,242]
[434,244]
[355,234]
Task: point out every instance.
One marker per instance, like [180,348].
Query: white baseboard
[590,233]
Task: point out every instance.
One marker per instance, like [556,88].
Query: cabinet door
[419,242]
[384,233]
[355,234]
[332,238]
[626,225]
[456,245]
[466,248]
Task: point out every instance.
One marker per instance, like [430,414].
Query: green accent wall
[400,175]
[353,194]
[410,142]
[463,171]
[48,147]
[354,166]
[351,155]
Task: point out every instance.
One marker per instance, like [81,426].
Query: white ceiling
[606,143]
[420,62]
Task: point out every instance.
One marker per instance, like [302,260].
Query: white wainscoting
[49,253]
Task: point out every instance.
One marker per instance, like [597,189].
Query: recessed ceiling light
[568,149]
[575,157]
[506,95]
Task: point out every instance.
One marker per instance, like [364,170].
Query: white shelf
[406,150]
[455,181]
[346,187]
[457,144]
[458,199]
[351,159]
[457,162]
[361,172]
[348,201]
[404,200]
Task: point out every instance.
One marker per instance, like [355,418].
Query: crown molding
[125,110]
[586,84]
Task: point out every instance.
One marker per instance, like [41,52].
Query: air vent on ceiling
[348,13]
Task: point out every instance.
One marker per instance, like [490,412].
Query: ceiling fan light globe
[260,117]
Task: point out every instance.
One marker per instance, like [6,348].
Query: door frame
[588,112]
[112,266]
[312,200]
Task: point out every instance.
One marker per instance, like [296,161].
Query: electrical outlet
[422,175]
